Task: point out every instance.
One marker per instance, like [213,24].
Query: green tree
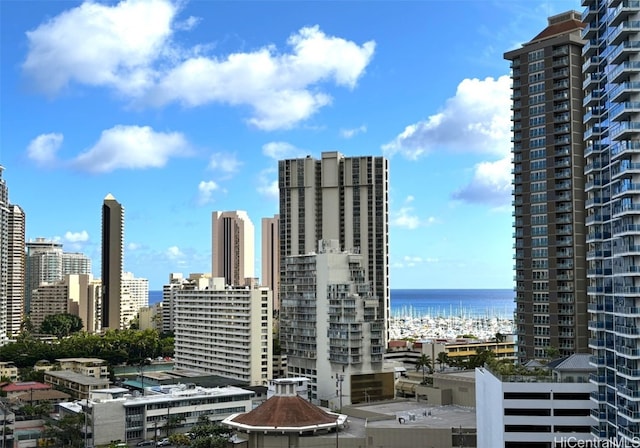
[61,325]
[172,423]
[425,363]
[179,440]
[442,359]
[65,432]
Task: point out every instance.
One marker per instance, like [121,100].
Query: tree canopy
[61,325]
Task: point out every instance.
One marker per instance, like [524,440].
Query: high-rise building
[338,198]
[224,330]
[135,295]
[44,265]
[75,263]
[232,247]
[548,191]
[15,270]
[112,248]
[271,257]
[332,328]
[612,137]
[11,262]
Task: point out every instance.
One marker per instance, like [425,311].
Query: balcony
[592,98]
[626,147]
[622,52]
[623,31]
[625,189]
[622,111]
[592,64]
[628,230]
[623,71]
[591,48]
[625,130]
[624,90]
[592,78]
[627,168]
[623,12]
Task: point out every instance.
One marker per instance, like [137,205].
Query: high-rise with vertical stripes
[112,248]
[548,191]
[232,247]
[612,137]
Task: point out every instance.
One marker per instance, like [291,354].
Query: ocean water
[474,303]
[440,302]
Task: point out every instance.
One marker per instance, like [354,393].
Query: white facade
[331,327]
[224,331]
[115,414]
[15,270]
[523,409]
[135,295]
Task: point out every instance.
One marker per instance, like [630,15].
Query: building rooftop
[82,360]
[25,386]
[78,378]
[279,411]
[163,394]
[419,414]
[577,361]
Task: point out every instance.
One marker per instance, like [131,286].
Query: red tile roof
[289,412]
[29,385]
[559,28]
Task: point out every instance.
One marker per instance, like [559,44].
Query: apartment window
[536,110]
[538,219]
[538,197]
[538,165]
[538,98]
[537,131]
[535,77]
[527,395]
[539,175]
[536,66]
[539,186]
[538,142]
[537,120]
[540,252]
[535,55]
[536,88]
[539,230]
[527,428]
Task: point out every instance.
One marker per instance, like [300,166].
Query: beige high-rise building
[338,198]
[232,247]
[15,270]
[43,265]
[548,191]
[224,330]
[271,258]
[135,295]
[112,253]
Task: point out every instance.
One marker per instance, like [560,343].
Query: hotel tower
[232,247]
[548,191]
[112,241]
[612,137]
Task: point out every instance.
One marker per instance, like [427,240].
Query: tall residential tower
[612,134]
[232,247]
[548,191]
[338,198]
[112,244]
[271,257]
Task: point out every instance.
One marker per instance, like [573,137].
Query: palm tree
[424,362]
[442,359]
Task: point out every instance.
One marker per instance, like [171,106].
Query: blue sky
[182,108]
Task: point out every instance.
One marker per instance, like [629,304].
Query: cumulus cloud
[267,185]
[410,261]
[406,217]
[134,246]
[227,163]
[100,45]
[174,253]
[205,191]
[476,119]
[44,147]
[76,237]
[491,184]
[282,150]
[132,147]
[129,47]
[348,133]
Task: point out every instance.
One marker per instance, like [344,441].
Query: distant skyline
[179,109]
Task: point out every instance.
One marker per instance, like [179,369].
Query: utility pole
[339,380]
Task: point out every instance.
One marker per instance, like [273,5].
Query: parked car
[163,442]
[145,443]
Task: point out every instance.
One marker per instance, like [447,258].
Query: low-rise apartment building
[76,384]
[94,367]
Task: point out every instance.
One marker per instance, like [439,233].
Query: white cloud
[491,184]
[227,163]
[205,191]
[132,147]
[476,119]
[267,186]
[99,45]
[130,47]
[44,147]
[76,237]
[406,217]
[134,246]
[174,253]
[348,133]
[282,150]
[410,261]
